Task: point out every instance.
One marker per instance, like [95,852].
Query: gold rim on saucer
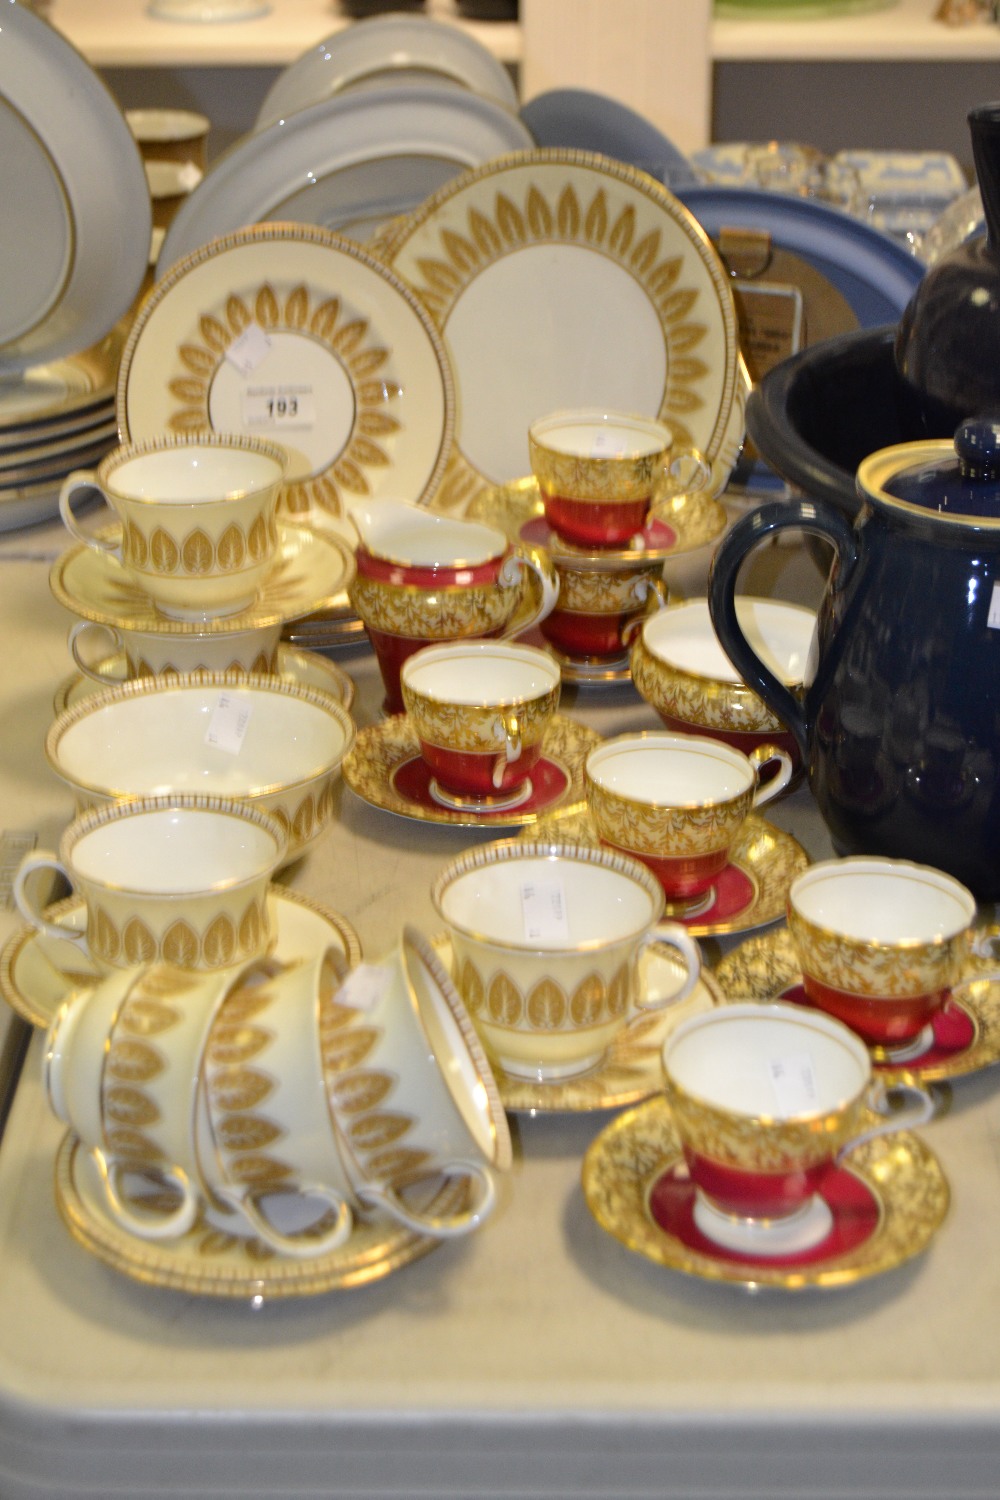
[631,1154]
[305,668]
[697,519]
[380,750]
[632,1069]
[208,1261]
[35,978]
[763,967]
[311,570]
[769,857]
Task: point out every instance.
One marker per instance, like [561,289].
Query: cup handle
[73,485]
[918,1113]
[676,940]
[31,864]
[652,592]
[686,472]
[508,725]
[301,1247]
[442,1227]
[761,756]
[164,1227]
[93,630]
[535,603]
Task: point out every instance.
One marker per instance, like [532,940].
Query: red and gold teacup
[423,578]
[880,943]
[680,668]
[677,802]
[766,1098]
[598,604]
[480,710]
[598,472]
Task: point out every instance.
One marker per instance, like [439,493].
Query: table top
[538,1357]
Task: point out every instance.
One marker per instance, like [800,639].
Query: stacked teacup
[281,1102]
[601,475]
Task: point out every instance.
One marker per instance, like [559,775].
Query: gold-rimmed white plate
[632,1068]
[887,1200]
[38,971]
[384,768]
[306,668]
[293,332]
[752,890]
[311,570]
[965,1033]
[210,1260]
[562,278]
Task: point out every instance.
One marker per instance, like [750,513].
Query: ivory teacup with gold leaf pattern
[766,1098]
[96,647]
[480,710]
[124,1066]
[410,1090]
[181,880]
[677,802]
[197,514]
[546,941]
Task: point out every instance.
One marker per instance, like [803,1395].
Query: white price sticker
[364,986]
[993,618]
[604,445]
[228,724]
[279,407]
[248,349]
[794,1083]
[543,907]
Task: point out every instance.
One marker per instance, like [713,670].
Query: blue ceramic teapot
[899,725]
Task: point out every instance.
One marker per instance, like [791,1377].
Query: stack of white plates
[77,222]
[53,419]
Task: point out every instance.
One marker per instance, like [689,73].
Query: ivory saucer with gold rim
[37,971]
[631,1069]
[211,1259]
[306,668]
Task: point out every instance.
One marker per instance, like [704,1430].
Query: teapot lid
[958,481]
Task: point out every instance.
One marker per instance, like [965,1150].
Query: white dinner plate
[374,50]
[293,333]
[562,279]
[77,213]
[354,159]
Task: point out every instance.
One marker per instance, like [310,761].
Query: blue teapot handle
[749,531]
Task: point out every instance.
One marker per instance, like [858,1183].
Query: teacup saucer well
[885,1202]
[965,1034]
[386,769]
